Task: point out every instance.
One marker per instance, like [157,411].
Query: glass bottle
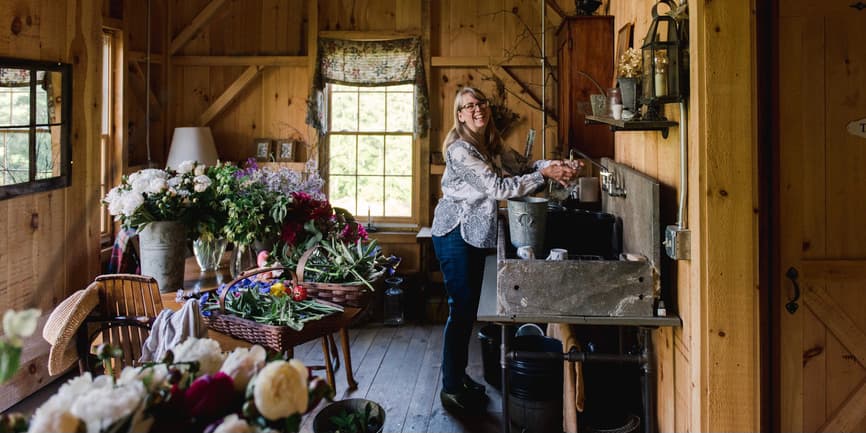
[243,258]
[394,301]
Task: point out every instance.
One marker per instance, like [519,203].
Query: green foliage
[268,302]
[354,422]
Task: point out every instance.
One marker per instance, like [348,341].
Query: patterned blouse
[472,186]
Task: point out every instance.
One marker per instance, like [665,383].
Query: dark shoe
[464,401]
[472,385]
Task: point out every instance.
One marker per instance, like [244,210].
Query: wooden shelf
[633,125]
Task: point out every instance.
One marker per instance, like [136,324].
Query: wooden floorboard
[400,368]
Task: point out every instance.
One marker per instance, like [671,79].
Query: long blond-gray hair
[488,142]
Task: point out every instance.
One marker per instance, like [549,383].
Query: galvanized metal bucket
[527,222]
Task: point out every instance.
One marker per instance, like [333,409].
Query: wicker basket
[352,295]
[278,338]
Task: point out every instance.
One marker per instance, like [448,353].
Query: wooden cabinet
[584,44]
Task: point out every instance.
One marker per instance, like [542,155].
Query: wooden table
[323,328]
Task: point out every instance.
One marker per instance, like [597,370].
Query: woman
[479,171]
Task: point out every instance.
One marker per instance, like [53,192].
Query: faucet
[610,182]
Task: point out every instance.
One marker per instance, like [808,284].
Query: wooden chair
[128,305]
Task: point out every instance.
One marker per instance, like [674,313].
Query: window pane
[398,196]
[41,105]
[342,154]
[371,195]
[20,106]
[44,156]
[398,154]
[402,88]
[372,116]
[344,112]
[17,158]
[341,192]
[400,112]
[342,88]
[371,154]
[5,106]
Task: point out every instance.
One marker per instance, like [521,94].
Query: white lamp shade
[192,143]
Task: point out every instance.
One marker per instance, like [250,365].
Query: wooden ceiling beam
[223,100]
[515,87]
[301,61]
[482,61]
[203,17]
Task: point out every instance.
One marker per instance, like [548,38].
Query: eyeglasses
[471,106]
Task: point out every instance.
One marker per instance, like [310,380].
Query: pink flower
[210,397]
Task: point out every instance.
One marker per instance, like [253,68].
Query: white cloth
[171,328]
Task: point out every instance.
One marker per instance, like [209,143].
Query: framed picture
[263,149]
[624,41]
[285,150]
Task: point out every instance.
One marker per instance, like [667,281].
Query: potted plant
[162,205]
[355,415]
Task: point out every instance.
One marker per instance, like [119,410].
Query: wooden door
[584,44]
[822,200]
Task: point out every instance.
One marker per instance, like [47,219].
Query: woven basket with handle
[352,295]
[278,338]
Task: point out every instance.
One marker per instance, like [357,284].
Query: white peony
[185,167]
[60,422]
[199,169]
[242,364]
[155,375]
[20,324]
[280,391]
[131,202]
[102,406]
[233,424]
[204,350]
[201,183]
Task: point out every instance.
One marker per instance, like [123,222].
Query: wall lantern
[662,60]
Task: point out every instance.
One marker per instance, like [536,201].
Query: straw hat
[63,324]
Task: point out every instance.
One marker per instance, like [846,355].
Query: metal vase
[527,222]
[208,253]
[163,253]
[629,89]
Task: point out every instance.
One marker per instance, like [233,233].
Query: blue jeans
[462,267]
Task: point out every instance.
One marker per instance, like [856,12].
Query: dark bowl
[322,422]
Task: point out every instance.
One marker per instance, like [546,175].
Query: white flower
[242,364]
[131,202]
[185,167]
[280,391]
[102,406]
[199,169]
[60,422]
[155,375]
[202,183]
[20,324]
[204,350]
[233,424]
[114,200]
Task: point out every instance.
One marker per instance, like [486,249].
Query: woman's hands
[561,171]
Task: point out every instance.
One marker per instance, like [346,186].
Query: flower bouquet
[332,253]
[195,388]
[629,70]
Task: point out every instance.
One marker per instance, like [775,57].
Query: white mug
[558,254]
[526,253]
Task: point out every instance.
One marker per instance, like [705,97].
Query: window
[106,137]
[34,126]
[371,150]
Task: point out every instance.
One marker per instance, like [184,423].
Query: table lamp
[191,143]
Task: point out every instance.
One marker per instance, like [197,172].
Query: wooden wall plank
[229,94]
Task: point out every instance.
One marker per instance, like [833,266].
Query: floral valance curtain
[368,63]
[15,77]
